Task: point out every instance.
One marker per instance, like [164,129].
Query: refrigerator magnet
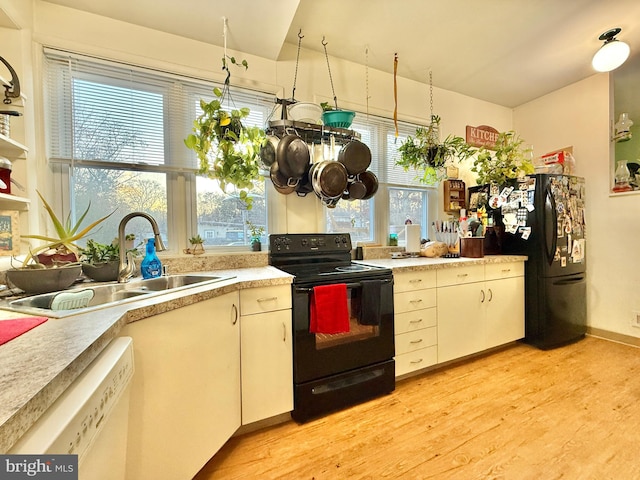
[525,231]
[563,262]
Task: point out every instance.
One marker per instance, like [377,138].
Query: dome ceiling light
[612,54]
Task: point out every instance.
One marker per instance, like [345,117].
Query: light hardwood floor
[519,413]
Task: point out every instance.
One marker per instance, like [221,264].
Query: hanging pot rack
[310,132]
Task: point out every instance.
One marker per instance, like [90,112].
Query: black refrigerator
[544,218]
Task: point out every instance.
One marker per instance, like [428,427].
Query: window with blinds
[400,197]
[116,137]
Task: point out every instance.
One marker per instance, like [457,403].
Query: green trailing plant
[507,162]
[67,234]
[429,156]
[227,150]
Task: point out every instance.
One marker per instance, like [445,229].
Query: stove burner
[354,267]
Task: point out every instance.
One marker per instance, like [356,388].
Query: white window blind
[379,134]
[110,112]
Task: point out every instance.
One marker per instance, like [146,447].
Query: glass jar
[393,239]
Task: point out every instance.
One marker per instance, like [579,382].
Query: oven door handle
[349,285]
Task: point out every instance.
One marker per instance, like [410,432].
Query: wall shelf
[13,202]
[11,149]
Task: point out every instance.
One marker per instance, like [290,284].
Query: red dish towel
[10,329]
[329,310]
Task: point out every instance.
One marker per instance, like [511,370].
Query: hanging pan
[355,156]
[293,156]
[280,183]
[329,179]
[371,182]
[268,150]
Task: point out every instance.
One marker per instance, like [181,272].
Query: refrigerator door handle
[553,236]
[569,281]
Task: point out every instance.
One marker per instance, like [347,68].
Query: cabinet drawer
[408,342]
[460,275]
[415,320]
[496,271]
[409,301]
[412,361]
[265,299]
[409,281]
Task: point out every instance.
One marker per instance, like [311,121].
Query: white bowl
[305,112]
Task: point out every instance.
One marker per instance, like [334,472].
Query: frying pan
[268,150]
[293,156]
[355,156]
[357,190]
[280,183]
[329,179]
[371,182]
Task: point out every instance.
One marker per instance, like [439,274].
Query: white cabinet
[266,352]
[185,401]
[479,307]
[415,320]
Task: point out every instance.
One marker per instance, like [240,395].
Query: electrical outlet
[635,320]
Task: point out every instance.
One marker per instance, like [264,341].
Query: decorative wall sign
[9,236]
[482,136]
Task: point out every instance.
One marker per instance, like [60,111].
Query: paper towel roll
[412,234]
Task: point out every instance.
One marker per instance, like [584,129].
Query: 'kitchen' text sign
[482,136]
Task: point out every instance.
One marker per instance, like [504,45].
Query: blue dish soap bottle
[151,266]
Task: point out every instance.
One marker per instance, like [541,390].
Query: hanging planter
[227,150]
[429,156]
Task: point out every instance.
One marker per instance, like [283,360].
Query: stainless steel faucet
[127,266]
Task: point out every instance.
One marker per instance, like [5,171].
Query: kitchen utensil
[338,118]
[329,179]
[12,88]
[72,300]
[293,156]
[268,150]
[306,112]
[357,190]
[371,182]
[355,156]
[280,183]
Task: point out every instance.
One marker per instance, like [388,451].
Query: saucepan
[282,184]
[329,179]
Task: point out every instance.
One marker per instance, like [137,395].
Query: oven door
[320,355]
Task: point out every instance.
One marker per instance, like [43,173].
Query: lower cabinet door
[505,311]
[185,397]
[267,365]
[461,320]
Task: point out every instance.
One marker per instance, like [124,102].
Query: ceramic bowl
[43,280]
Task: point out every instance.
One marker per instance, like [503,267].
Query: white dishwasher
[90,418]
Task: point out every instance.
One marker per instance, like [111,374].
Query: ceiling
[507,52]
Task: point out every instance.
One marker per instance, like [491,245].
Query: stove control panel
[310,243]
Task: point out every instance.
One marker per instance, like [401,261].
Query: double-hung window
[400,195]
[115,139]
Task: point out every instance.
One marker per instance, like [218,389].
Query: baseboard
[260,424]
[613,336]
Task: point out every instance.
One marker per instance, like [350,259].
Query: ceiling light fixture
[612,54]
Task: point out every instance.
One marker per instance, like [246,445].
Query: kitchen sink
[86,297]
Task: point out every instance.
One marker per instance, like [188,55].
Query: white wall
[579,115]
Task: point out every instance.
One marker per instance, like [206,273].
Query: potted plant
[255,232]
[197,247]
[227,150]
[100,261]
[427,154]
[506,163]
[53,265]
